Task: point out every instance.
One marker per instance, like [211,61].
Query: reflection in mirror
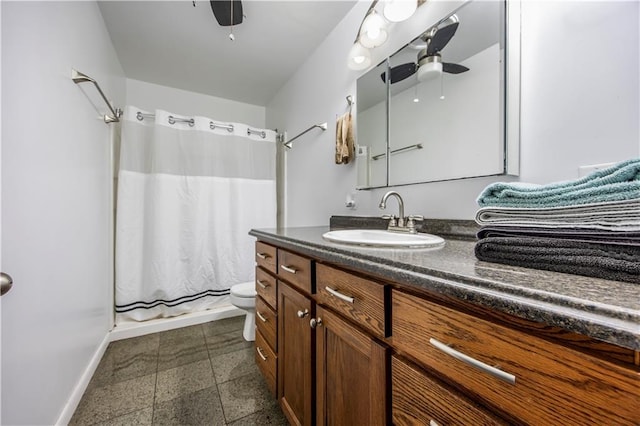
[372,129]
[446,101]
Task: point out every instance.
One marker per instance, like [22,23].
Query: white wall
[57,216]
[579,106]
[149,96]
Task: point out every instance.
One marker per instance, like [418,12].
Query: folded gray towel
[609,261]
[586,235]
[617,215]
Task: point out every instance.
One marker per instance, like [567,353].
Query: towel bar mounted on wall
[79,77]
[288,144]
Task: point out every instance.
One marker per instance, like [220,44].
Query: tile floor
[199,375]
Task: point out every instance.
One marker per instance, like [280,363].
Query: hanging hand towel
[344,139]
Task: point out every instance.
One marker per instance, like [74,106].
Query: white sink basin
[380,238]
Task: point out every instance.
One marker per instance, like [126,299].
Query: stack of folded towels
[589,226]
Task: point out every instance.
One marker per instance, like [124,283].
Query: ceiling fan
[227,12]
[429,63]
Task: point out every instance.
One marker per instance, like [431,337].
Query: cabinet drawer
[266,287]
[418,399]
[266,320]
[530,378]
[267,361]
[295,269]
[266,256]
[357,298]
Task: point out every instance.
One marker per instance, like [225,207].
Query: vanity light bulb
[399,10]
[373,33]
[359,57]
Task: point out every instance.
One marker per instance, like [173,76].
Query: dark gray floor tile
[202,407]
[233,365]
[193,333]
[223,326]
[221,344]
[108,402]
[183,380]
[272,416]
[124,360]
[180,352]
[244,396]
[142,417]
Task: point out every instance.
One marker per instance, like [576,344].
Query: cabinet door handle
[502,375]
[288,269]
[263,255]
[262,284]
[433,423]
[264,358]
[339,295]
[263,319]
[302,314]
[313,323]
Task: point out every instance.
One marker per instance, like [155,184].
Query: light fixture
[359,57]
[429,68]
[399,10]
[373,32]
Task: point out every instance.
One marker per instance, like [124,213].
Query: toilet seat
[244,290]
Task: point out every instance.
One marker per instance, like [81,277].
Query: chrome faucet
[383,205]
[403,224]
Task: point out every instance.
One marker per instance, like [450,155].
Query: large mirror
[447,109]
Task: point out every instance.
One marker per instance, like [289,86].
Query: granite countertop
[602,309]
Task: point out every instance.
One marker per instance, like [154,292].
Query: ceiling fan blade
[400,72]
[222,11]
[453,68]
[441,38]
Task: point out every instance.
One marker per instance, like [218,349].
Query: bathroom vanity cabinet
[356,347]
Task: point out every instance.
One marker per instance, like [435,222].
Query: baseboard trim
[73,401]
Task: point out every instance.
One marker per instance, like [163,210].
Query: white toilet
[243,296]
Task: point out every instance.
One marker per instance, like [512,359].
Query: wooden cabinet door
[294,355]
[351,370]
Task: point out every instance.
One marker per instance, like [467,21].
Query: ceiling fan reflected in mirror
[228,13]
[429,61]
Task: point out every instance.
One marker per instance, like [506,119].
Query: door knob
[6,282]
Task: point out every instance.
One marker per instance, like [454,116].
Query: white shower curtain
[188,194]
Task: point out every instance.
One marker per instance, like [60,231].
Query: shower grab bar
[288,144]
[79,77]
[406,148]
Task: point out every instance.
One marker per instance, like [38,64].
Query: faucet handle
[392,219]
[411,224]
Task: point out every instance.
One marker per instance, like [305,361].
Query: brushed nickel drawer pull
[263,319]
[339,295]
[509,378]
[264,358]
[262,284]
[289,269]
[433,423]
[263,255]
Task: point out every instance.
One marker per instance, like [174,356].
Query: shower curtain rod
[79,77]
[288,144]
[229,127]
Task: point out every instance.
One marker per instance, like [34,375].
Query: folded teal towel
[616,183]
